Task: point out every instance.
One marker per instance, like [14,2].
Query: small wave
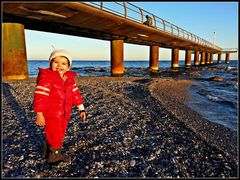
[221,100]
[230,68]
[214,98]
[236,85]
[203,92]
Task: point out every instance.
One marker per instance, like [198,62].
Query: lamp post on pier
[214,37]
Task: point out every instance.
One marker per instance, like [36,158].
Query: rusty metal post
[188,56]
[211,58]
[203,58]
[14,51]
[227,58]
[117,67]
[154,19]
[125,9]
[153,59]
[175,58]
[196,58]
[219,58]
[141,11]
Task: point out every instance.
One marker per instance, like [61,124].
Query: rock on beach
[137,127]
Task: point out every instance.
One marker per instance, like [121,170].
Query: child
[55,93]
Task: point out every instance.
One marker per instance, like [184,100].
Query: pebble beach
[136,127]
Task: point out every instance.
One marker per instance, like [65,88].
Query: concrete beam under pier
[117,66]
[227,58]
[175,58]
[196,58]
[203,58]
[219,58]
[211,58]
[188,58]
[14,51]
[207,60]
[153,59]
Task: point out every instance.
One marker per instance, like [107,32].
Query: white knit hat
[60,52]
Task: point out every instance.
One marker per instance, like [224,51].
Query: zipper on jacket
[64,106]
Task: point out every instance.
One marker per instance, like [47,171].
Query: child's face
[60,64]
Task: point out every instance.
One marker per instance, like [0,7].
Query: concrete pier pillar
[117,66]
[196,58]
[153,59]
[14,51]
[227,58]
[203,58]
[207,60]
[219,58]
[188,55]
[211,58]
[175,58]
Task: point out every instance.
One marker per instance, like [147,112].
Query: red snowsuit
[54,98]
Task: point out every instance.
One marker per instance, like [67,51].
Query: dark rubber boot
[45,149]
[55,156]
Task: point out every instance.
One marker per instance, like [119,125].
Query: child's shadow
[26,137]
[24,120]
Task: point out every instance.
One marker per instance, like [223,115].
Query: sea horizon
[124,60]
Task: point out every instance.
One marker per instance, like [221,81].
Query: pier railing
[137,14]
[230,49]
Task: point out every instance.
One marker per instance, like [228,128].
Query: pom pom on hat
[60,52]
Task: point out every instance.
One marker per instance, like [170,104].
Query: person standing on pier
[148,21]
[55,93]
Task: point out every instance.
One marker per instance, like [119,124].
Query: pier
[118,22]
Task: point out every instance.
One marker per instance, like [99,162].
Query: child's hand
[40,120]
[83,116]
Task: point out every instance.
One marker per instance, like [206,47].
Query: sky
[199,18]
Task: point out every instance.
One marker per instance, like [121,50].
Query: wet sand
[138,127]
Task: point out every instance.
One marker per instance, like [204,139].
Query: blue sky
[199,18]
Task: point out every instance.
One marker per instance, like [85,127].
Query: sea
[215,100]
